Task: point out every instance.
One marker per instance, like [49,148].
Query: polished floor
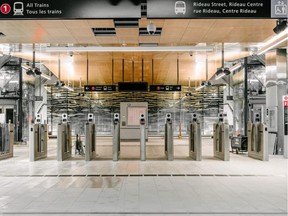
[241,186]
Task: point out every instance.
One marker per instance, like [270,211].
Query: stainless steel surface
[258,141]
[142,142]
[116,141]
[195,143]
[90,143]
[169,144]
[221,143]
[38,135]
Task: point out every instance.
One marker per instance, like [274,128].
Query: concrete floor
[241,186]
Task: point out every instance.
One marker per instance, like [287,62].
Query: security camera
[191,53]
[151,28]
[71,54]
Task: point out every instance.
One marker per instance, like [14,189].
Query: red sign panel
[285,100]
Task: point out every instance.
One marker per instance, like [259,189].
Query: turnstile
[169,148]
[221,139]
[6,140]
[90,139]
[38,140]
[116,137]
[64,140]
[142,138]
[257,141]
[195,141]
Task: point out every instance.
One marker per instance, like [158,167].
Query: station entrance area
[130,186]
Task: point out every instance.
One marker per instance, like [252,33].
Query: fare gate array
[64,140]
[257,140]
[6,140]
[195,141]
[38,138]
[221,139]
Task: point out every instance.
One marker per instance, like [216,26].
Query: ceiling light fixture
[132,49]
[273,42]
[151,28]
[263,50]
[59,83]
[45,76]
[30,72]
[68,88]
[203,84]
[37,71]
[235,67]
[281,25]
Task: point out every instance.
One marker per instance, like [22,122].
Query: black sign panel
[132,86]
[99,88]
[165,87]
[211,9]
[69,9]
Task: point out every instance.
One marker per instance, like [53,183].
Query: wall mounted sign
[165,87]
[109,9]
[99,88]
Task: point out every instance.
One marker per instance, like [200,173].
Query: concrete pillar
[276,87]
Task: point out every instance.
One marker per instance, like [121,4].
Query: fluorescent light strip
[271,47]
[14,81]
[220,76]
[68,88]
[276,37]
[131,49]
[5,77]
[45,76]
[200,87]
[235,67]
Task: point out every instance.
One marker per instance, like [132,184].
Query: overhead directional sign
[165,87]
[99,88]
[109,9]
[69,9]
[250,9]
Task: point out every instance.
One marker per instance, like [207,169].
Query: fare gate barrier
[257,140]
[286,139]
[221,139]
[90,139]
[116,137]
[64,140]
[195,141]
[169,148]
[38,140]
[142,138]
[6,140]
